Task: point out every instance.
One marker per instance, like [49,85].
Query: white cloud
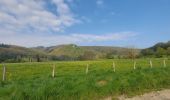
[70,1]
[29,22]
[36,40]
[104,37]
[21,15]
[99,2]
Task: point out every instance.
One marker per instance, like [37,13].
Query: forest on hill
[12,53]
[158,50]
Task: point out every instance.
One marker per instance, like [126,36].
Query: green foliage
[33,81]
[11,53]
[74,52]
[158,50]
[168,51]
[88,55]
[66,52]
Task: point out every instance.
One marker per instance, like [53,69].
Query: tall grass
[33,81]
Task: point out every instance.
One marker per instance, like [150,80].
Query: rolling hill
[74,52]
[158,50]
[60,52]
[13,53]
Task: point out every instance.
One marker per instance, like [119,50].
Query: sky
[123,23]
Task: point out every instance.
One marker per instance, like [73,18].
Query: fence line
[114,67]
[87,68]
[53,71]
[4,73]
[151,65]
[134,66]
[164,62]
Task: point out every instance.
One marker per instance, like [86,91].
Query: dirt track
[159,95]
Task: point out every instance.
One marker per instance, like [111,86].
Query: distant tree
[19,58]
[160,52]
[64,57]
[38,58]
[147,52]
[30,58]
[4,45]
[111,55]
[131,52]
[168,51]
[88,55]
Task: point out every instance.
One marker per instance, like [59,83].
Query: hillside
[158,50]
[74,52]
[160,45]
[65,52]
[12,53]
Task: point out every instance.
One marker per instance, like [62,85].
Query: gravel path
[159,95]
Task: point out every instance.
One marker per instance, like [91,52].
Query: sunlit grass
[33,81]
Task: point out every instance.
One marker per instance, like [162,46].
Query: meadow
[34,81]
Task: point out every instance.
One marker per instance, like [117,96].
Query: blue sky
[139,23]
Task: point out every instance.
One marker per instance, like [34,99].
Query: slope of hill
[66,52]
[158,50]
[61,52]
[12,53]
[74,52]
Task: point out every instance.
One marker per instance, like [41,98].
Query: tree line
[10,53]
[158,50]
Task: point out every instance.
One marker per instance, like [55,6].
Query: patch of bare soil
[101,83]
[158,95]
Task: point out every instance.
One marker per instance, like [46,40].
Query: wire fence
[18,71]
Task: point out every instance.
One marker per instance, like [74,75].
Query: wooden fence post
[151,64]
[87,68]
[134,66]
[4,73]
[114,67]
[53,71]
[164,62]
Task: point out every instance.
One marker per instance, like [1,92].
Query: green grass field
[33,81]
